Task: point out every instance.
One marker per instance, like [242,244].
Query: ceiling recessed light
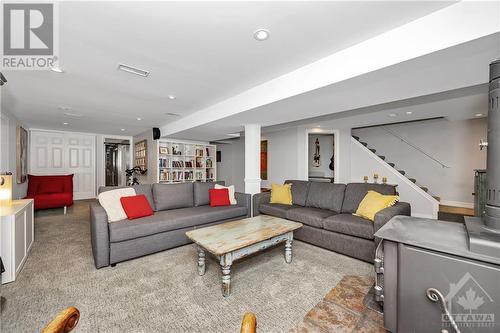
[123,129]
[133,70]
[261,35]
[408,112]
[65,123]
[171,97]
[139,118]
[393,115]
[56,69]
[172,114]
[479,114]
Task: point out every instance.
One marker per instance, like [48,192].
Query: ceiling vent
[133,70]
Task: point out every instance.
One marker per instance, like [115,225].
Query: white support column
[252,158]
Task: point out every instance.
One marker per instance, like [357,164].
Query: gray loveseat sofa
[178,208]
[325,210]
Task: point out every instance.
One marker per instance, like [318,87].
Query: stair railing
[415,147]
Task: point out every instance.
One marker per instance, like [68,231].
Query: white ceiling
[405,85]
[201,52]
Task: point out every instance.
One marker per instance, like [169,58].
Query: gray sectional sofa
[178,208]
[325,210]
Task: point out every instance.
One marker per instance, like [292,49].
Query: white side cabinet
[17,234]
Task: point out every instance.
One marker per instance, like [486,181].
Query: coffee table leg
[225,263]
[201,261]
[288,249]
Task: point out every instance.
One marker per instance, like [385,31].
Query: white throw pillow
[230,189]
[110,201]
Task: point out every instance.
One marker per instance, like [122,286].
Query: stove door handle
[437,297]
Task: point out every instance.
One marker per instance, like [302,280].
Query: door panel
[58,153]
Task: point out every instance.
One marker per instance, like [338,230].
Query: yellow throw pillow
[374,202]
[281,194]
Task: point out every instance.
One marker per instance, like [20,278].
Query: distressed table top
[227,237]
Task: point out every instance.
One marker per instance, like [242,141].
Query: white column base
[252,186]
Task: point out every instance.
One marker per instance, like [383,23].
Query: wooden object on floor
[64,322]
[456,210]
[234,240]
[249,323]
[17,234]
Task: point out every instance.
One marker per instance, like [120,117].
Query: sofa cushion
[355,192]
[348,224]
[172,196]
[200,190]
[110,201]
[278,210]
[52,200]
[173,219]
[310,216]
[325,196]
[146,189]
[136,206]
[299,191]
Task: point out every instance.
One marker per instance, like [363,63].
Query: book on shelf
[177,164]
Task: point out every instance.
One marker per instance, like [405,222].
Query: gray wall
[455,143]
[9,157]
[326,152]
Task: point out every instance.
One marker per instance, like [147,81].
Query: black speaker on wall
[156,133]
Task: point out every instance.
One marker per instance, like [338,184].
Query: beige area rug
[162,292]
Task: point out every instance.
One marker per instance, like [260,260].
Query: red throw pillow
[219,197]
[50,187]
[136,206]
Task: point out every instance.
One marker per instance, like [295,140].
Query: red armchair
[51,191]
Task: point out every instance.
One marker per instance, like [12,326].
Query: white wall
[8,157]
[231,169]
[454,143]
[365,163]
[325,151]
[283,156]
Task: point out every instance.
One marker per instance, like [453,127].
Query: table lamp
[5,190]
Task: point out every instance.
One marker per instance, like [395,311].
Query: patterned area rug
[163,292]
[344,309]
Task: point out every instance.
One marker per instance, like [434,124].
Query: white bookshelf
[180,162]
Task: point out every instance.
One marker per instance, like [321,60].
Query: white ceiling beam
[445,28]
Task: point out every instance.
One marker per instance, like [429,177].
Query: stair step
[402,172]
[381,157]
[424,188]
[392,164]
[373,150]
[436,197]
[413,180]
[364,143]
[356,137]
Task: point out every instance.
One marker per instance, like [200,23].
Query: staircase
[393,165]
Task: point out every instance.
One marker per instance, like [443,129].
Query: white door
[62,153]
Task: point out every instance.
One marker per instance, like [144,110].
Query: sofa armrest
[244,200]
[382,217]
[99,235]
[258,199]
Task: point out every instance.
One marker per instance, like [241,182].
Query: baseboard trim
[423,216]
[457,204]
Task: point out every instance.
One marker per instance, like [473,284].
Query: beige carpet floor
[162,292]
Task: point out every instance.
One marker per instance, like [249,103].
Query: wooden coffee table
[237,239]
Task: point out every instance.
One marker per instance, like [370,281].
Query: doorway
[321,157]
[117,160]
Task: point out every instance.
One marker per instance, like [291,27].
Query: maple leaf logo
[470,301]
